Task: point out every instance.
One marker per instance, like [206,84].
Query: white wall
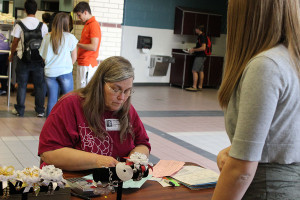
[163,42]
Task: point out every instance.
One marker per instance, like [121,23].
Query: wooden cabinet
[181,71]
[186,19]
[213,70]
[214,27]
[177,73]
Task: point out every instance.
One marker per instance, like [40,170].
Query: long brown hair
[113,69]
[60,24]
[254,26]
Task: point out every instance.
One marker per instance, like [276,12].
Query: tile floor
[186,126]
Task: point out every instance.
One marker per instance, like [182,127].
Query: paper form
[166,168]
[194,175]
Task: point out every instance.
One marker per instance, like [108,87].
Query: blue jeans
[22,72]
[64,82]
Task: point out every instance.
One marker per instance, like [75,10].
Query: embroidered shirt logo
[91,143]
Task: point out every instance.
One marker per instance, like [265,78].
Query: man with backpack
[28,34]
[200,58]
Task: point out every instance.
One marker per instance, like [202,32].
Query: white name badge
[112,124]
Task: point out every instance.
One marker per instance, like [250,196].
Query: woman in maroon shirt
[94,126]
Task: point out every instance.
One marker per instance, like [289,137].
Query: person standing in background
[51,21]
[46,18]
[23,68]
[59,51]
[70,23]
[260,95]
[200,58]
[52,18]
[88,46]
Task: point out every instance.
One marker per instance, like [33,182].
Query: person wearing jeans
[22,72]
[24,68]
[59,50]
[64,82]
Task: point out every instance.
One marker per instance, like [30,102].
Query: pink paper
[166,168]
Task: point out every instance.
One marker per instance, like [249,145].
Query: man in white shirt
[23,68]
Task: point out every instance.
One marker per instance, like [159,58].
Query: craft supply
[124,171]
[169,182]
[6,174]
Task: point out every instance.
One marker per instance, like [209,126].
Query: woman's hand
[106,161]
[222,157]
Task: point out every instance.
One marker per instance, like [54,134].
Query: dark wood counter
[181,71]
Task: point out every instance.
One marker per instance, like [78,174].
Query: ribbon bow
[7,171]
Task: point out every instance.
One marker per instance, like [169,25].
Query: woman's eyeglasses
[117,91]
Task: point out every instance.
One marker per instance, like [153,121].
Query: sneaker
[15,112]
[199,89]
[191,89]
[40,114]
[2,92]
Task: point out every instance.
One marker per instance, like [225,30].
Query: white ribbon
[51,174]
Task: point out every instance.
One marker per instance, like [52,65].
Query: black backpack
[32,42]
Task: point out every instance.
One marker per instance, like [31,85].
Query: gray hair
[116,69]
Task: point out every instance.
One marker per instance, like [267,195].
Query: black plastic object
[144,42]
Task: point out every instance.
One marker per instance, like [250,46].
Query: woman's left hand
[222,157]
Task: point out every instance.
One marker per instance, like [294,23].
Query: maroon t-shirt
[66,126]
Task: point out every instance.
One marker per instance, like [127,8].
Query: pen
[79,196]
[169,182]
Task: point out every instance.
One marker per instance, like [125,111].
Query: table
[151,190]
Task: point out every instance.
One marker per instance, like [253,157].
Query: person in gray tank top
[260,96]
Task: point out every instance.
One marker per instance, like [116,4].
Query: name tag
[112,124]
